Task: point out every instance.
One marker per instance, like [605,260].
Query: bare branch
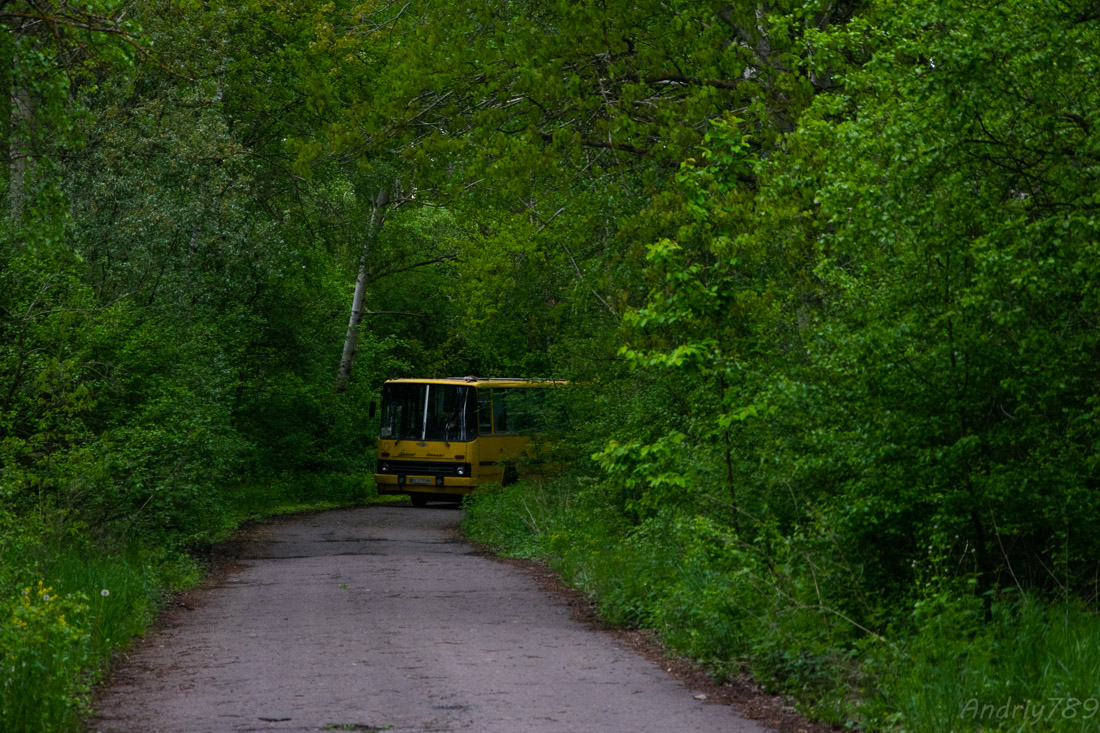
[425,263]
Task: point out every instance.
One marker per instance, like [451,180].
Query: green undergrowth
[72,596]
[1032,666]
[295,493]
[946,659]
[69,602]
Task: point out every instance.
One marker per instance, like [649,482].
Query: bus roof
[483,381]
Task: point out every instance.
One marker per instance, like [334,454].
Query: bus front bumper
[389,483]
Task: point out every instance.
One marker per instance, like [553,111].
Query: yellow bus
[442,438]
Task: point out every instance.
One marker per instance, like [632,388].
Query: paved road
[380,618]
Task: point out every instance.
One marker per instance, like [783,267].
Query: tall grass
[66,607]
[1034,667]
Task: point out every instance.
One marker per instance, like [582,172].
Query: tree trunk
[351,341]
[19,122]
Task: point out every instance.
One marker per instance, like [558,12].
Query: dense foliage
[822,274]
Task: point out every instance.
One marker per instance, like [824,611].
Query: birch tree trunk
[351,341]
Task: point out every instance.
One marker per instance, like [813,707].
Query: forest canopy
[822,273]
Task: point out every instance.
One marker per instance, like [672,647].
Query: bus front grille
[423,468]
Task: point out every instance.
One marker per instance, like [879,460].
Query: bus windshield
[429,412]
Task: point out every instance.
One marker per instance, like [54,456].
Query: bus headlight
[461,470]
[383,467]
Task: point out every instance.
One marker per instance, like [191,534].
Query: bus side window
[512,411]
[501,400]
[536,410]
[520,411]
[485,411]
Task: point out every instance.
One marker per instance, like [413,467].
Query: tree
[908,293]
[47,315]
[48,47]
[549,128]
[959,266]
[343,374]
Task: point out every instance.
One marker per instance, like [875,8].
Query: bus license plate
[420,480]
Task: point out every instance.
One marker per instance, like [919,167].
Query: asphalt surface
[381,618]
